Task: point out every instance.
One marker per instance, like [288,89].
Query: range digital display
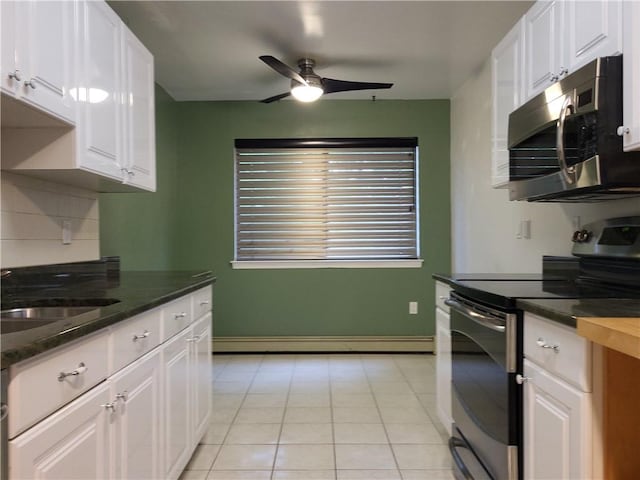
[623,236]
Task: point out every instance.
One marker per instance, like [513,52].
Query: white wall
[32,212]
[484,222]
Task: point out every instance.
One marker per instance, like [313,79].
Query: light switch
[413,308]
[66,232]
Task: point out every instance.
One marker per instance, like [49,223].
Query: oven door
[486,399]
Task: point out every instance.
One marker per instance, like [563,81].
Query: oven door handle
[479,318]
[454,444]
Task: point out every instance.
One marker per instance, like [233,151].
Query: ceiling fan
[307,86]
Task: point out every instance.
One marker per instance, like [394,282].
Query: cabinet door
[177,398]
[631,77]
[594,29]
[557,427]
[99,94]
[11,79]
[136,392]
[201,369]
[544,46]
[70,444]
[139,113]
[506,78]
[46,56]
[443,368]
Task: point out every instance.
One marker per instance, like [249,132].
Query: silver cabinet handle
[622,131]
[563,72]
[178,316]
[520,379]
[204,302]
[194,339]
[144,334]
[554,79]
[109,406]
[124,396]
[30,83]
[542,344]
[15,75]
[78,371]
[568,172]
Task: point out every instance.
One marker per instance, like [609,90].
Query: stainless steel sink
[42,312]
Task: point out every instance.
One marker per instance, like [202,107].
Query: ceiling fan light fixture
[306,93]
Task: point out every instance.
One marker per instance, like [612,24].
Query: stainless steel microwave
[563,143]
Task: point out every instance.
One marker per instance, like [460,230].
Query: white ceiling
[209,50]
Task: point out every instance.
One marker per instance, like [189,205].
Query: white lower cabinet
[201,377]
[143,422]
[443,357]
[135,419]
[73,443]
[176,404]
[556,424]
[560,403]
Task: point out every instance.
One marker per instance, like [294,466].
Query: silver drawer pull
[542,344]
[124,396]
[194,339]
[204,302]
[145,334]
[520,379]
[109,406]
[73,373]
[178,316]
[15,75]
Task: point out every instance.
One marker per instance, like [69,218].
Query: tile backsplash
[32,213]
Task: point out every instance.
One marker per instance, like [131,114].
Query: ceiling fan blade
[275,98]
[332,86]
[283,68]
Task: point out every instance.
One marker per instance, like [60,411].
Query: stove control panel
[615,237]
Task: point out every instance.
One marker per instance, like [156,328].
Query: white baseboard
[322,344]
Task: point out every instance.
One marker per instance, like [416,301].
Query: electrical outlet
[413,308]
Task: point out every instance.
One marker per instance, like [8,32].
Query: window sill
[291,264]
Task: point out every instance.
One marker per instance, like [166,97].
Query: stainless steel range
[486,343]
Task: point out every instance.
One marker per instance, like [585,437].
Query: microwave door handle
[568,173]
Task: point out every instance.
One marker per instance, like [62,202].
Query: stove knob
[584,236]
[576,236]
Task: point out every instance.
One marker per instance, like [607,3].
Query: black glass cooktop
[503,293]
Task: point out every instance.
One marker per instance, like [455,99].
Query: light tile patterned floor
[323,417]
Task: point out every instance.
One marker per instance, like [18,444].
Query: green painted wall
[188,224]
[138,226]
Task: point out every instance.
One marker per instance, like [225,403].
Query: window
[320,201]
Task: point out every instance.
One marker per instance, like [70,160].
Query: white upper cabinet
[99,94]
[562,36]
[544,42]
[138,124]
[506,78]
[38,58]
[595,30]
[630,131]
[104,84]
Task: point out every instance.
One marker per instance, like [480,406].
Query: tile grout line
[237,412]
[284,412]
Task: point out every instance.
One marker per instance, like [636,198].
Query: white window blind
[326,199]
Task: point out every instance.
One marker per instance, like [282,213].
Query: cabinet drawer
[37,388]
[176,316]
[442,293]
[571,360]
[133,338]
[201,302]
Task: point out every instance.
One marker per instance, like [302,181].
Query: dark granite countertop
[451,278]
[566,311]
[136,292]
